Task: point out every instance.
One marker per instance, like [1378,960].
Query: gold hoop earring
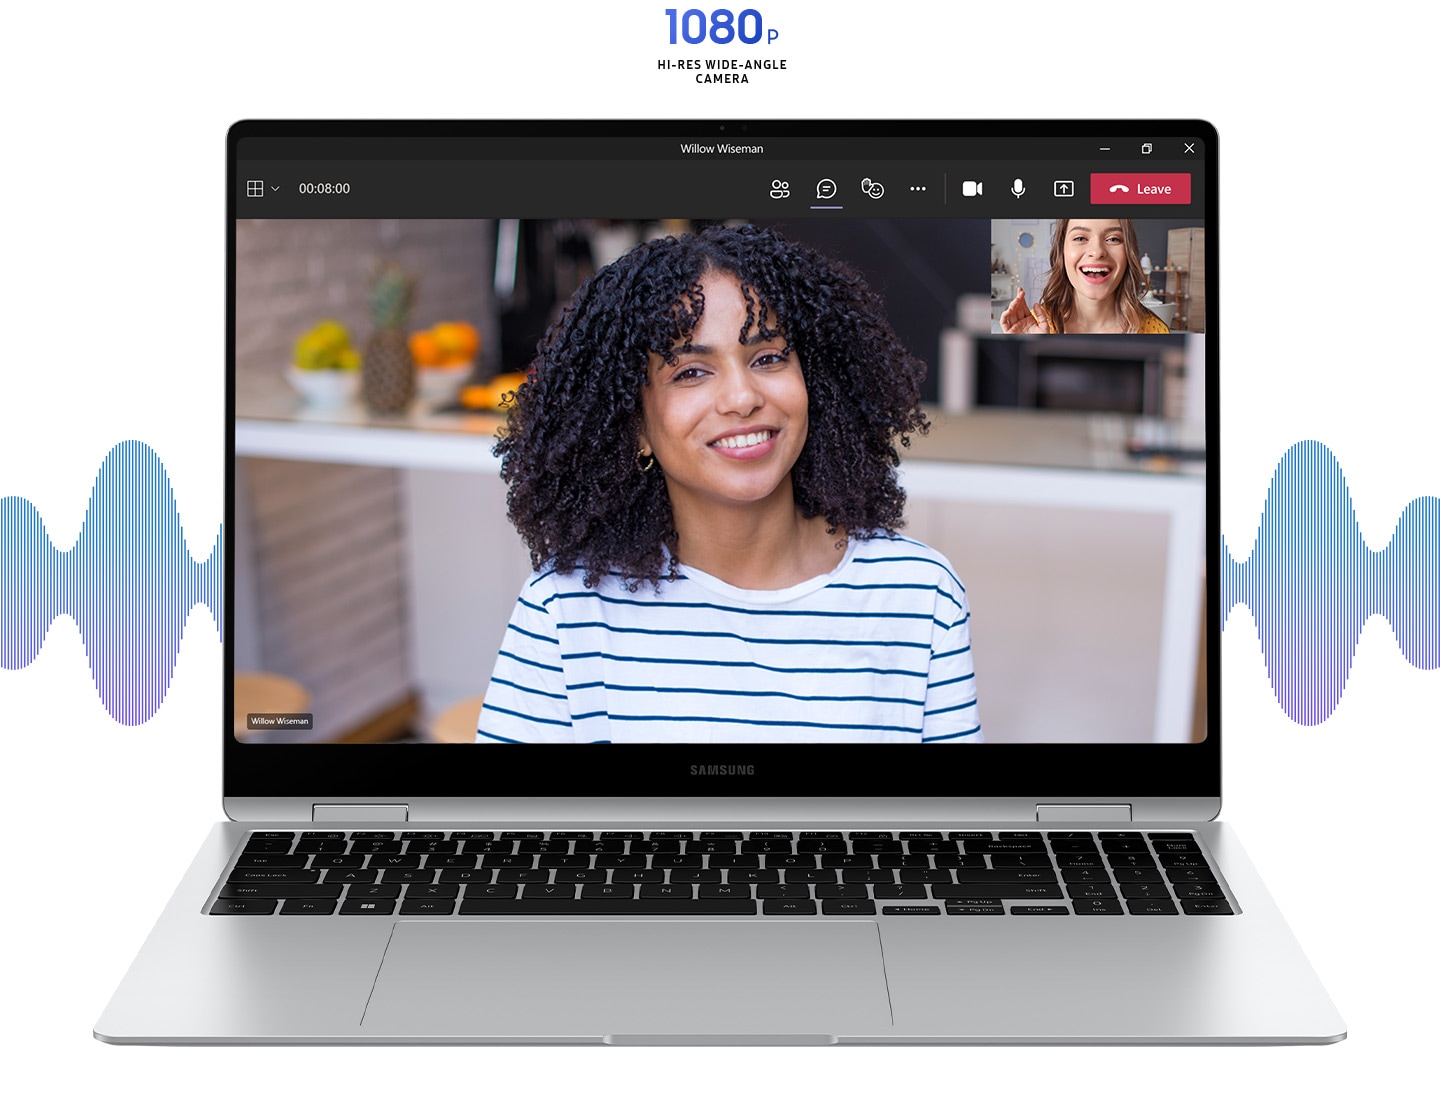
[649,460]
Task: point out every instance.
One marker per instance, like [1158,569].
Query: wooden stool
[266,693]
[457,722]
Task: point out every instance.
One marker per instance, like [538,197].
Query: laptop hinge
[346,816]
[1088,816]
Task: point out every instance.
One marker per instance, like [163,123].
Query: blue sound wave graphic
[129,582]
[1311,582]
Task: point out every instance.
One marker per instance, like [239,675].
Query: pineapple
[388,374]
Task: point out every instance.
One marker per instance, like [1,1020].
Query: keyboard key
[1082,891]
[596,891]
[1199,891]
[338,861]
[910,910]
[243,890]
[1137,874]
[1124,847]
[692,874]
[268,860]
[1152,906]
[322,847]
[493,891]
[300,906]
[721,889]
[459,874]
[1012,890]
[672,891]
[427,906]
[906,891]
[844,889]
[785,906]
[867,875]
[435,889]
[1145,891]
[262,847]
[1039,910]
[367,907]
[1194,860]
[1175,845]
[975,902]
[1013,861]
[607,908]
[270,874]
[798,890]
[1218,907]
[382,890]
[845,906]
[243,907]
[763,874]
[553,891]
[407,876]
[970,875]
[1097,907]
[631,874]
[975,910]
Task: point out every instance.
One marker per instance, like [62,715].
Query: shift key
[1011,890]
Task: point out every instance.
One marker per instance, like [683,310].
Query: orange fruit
[458,341]
[425,348]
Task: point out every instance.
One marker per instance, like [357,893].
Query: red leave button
[1129,188]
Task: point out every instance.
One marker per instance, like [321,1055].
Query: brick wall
[289,275]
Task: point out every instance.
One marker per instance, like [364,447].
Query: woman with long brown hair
[1095,285]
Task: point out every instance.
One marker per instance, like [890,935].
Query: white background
[112,270]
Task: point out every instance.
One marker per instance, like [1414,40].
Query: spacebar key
[654,906]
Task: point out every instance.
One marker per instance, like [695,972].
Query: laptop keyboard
[437,873]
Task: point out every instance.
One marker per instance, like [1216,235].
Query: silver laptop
[762,581]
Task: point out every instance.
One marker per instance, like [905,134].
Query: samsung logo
[722,769]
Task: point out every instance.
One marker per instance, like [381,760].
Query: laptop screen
[725,441]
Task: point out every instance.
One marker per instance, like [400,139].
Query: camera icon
[971,189]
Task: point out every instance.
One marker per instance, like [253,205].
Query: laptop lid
[1057,280]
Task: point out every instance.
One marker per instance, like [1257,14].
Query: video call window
[906,481]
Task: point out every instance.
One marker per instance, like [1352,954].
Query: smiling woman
[1094,287]
[703,467]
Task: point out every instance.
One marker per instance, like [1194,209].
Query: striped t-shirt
[878,650]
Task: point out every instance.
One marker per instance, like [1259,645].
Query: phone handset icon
[1119,188]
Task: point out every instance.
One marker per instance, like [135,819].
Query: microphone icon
[1018,188]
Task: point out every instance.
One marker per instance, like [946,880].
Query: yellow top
[1152,325]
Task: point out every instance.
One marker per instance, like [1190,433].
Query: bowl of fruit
[444,359]
[325,369]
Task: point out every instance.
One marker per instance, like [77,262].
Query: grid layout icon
[255,188]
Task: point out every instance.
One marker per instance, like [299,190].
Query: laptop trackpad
[632,980]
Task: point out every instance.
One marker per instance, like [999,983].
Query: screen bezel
[1042,772]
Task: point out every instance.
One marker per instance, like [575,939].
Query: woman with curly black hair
[702,464]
